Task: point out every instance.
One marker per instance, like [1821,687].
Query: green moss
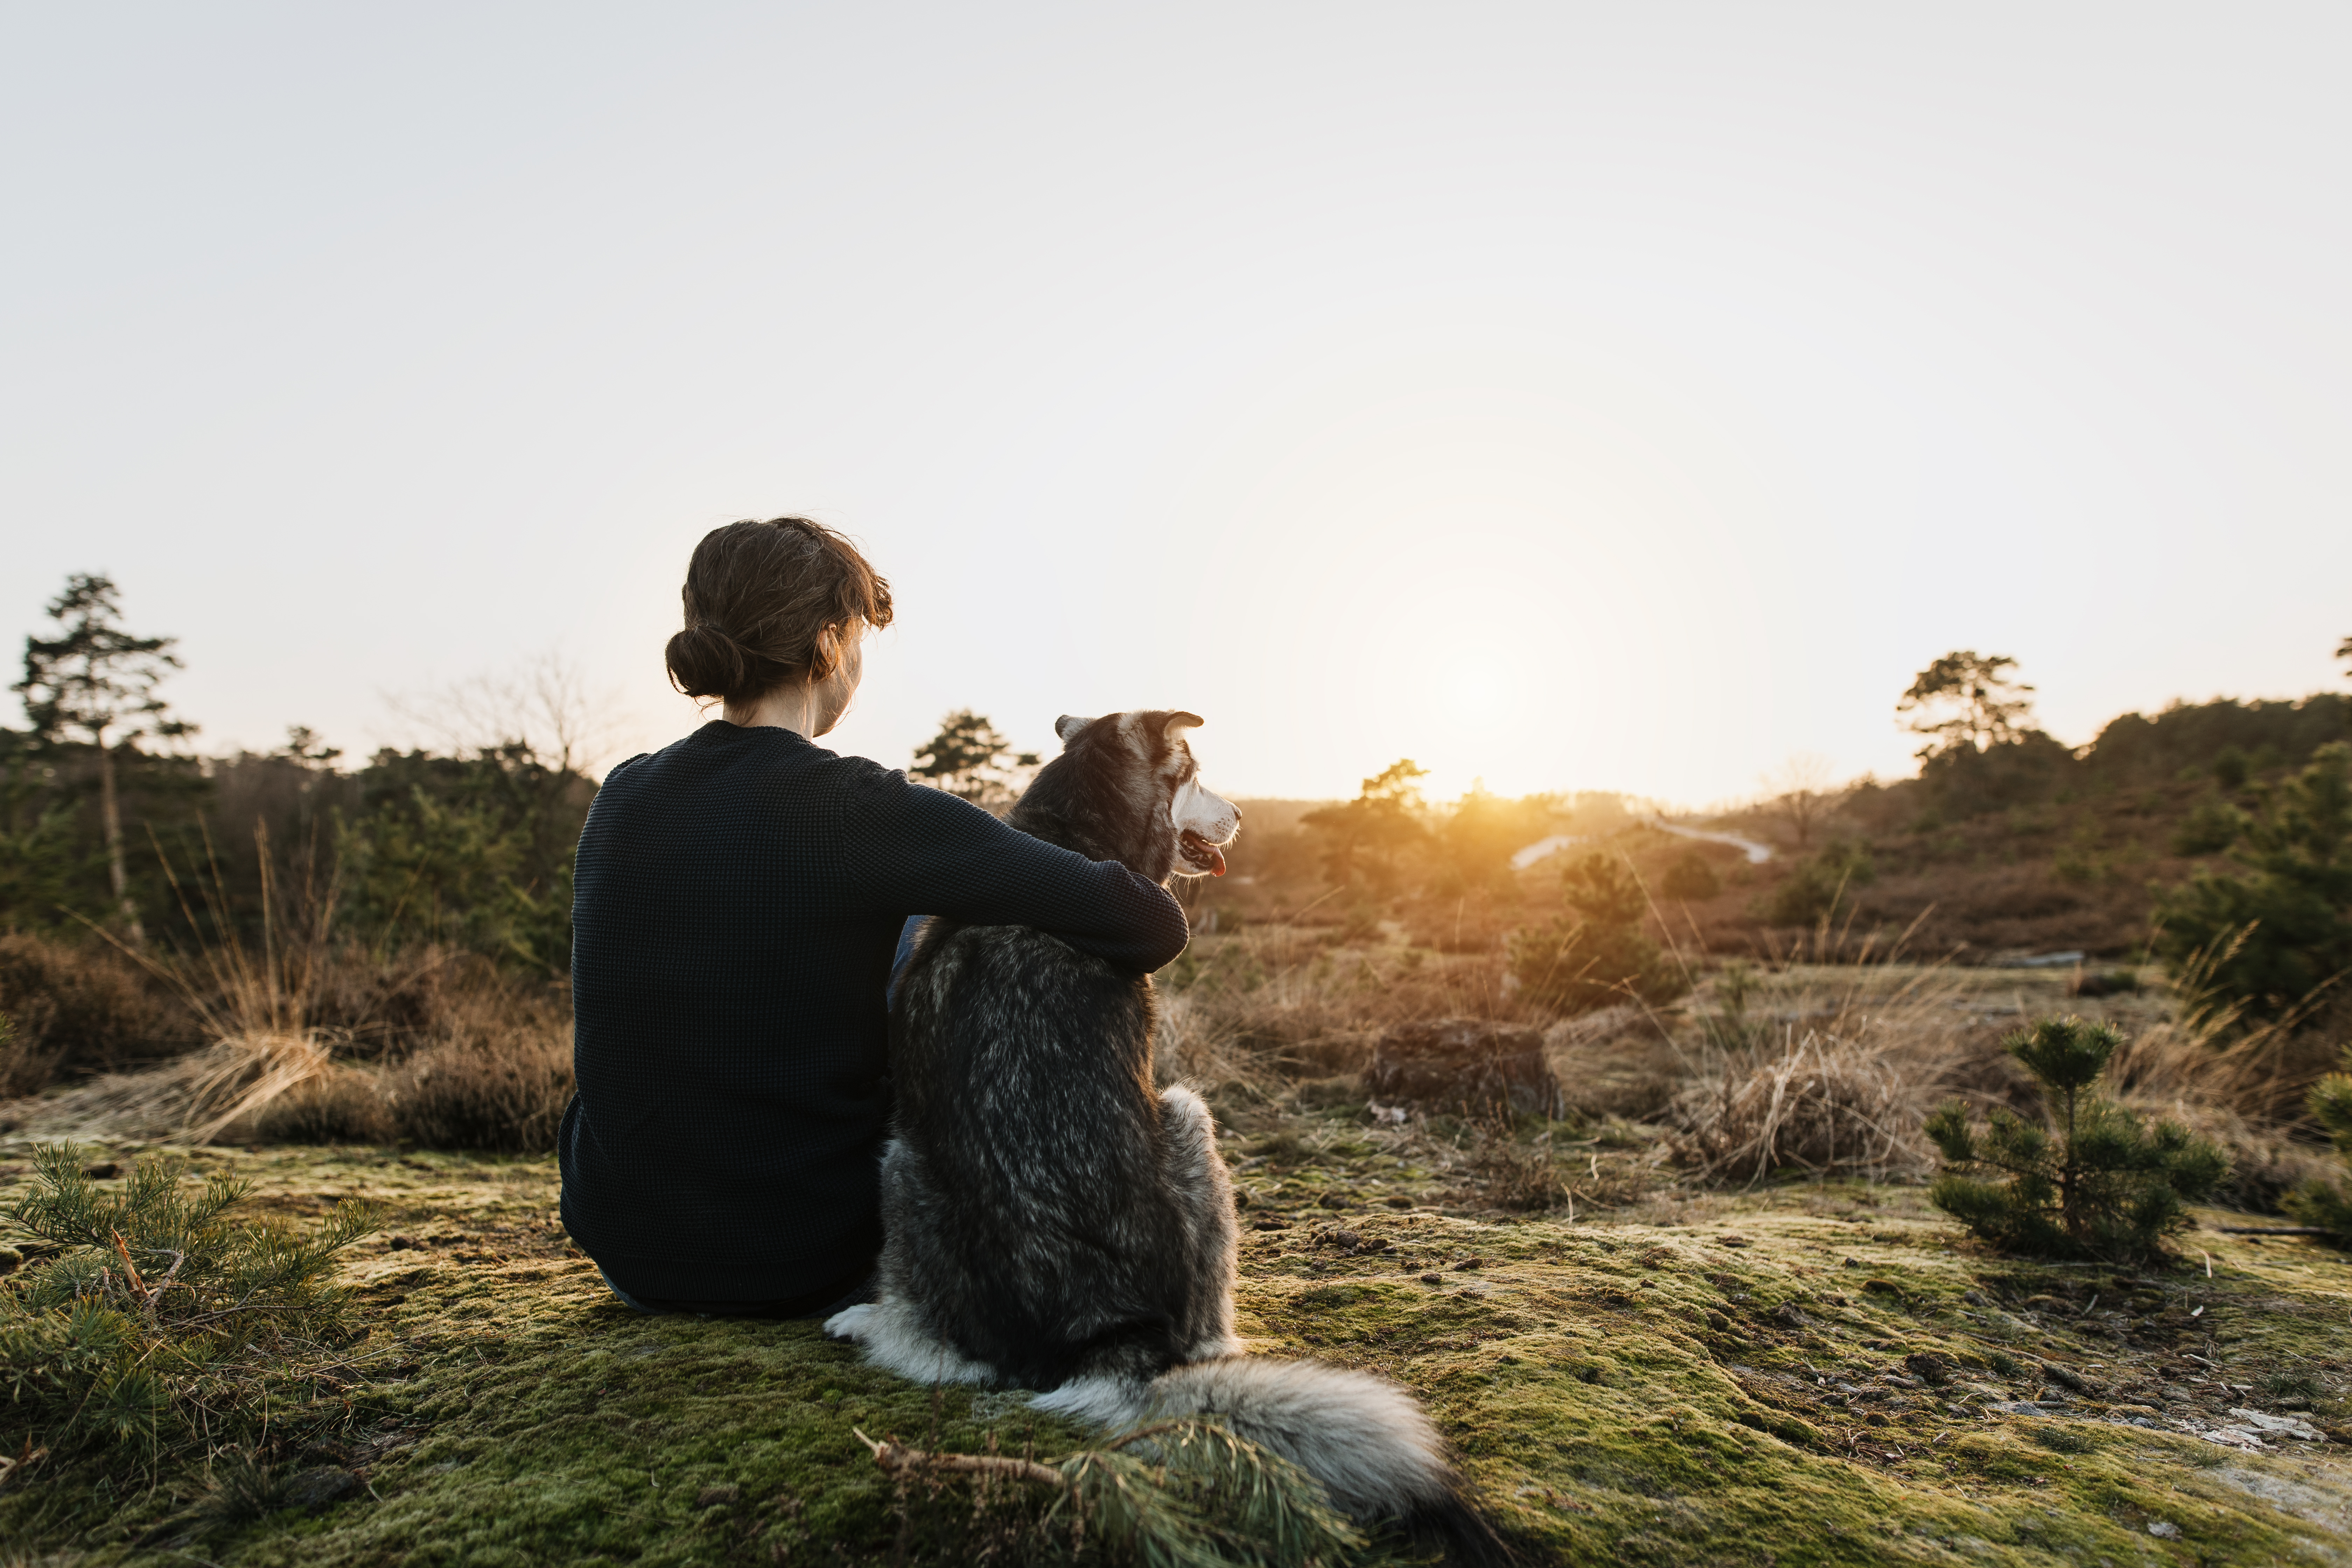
[1662,1393]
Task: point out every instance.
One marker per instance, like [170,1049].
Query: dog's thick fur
[1054,1221]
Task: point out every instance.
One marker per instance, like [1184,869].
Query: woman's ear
[1068,725]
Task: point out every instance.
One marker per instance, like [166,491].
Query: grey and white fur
[1052,1221]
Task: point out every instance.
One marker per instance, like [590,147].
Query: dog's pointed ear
[1068,725]
[1172,728]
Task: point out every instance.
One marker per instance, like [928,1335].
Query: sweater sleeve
[922,851]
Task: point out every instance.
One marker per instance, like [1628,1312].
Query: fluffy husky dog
[1053,1221]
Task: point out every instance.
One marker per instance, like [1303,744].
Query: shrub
[2099,1183]
[2261,943]
[1692,878]
[156,1312]
[82,1008]
[504,1094]
[340,1105]
[2211,826]
[1597,954]
[24,1067]
[2229,768]
[1818,888]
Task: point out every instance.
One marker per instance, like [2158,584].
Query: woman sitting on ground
[738,898]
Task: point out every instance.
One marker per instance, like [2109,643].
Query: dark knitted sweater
[737,899]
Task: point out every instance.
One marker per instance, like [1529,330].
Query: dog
[1053,1221]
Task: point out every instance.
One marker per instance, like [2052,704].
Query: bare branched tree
[545,704]
[1799,792]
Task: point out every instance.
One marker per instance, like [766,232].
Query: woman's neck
[795,708]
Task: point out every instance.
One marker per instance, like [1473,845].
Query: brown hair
[759,596]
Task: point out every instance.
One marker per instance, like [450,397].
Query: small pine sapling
[153,1310]
[2325,1205]
[2097,1182]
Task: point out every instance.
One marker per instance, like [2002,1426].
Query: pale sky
[1572,395]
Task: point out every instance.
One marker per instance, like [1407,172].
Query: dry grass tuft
[1830,1075]
[1824,1105]
[487,1066]
[194,1100]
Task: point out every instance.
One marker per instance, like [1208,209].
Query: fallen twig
[897,1456]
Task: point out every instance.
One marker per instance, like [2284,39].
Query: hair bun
[706,662]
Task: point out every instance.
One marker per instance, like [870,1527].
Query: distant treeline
[473,850]
[2227,741]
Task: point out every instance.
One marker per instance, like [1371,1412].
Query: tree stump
[1470,1067]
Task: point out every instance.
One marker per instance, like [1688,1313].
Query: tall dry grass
[1824,1063]
[309,1037]
[1275,1004]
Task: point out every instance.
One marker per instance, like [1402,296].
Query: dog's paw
[850,1322]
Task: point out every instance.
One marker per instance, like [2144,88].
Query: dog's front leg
[1203,1196]
[853,1323]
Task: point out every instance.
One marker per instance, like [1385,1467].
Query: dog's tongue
[1196,844]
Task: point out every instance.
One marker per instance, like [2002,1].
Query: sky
[1564,395]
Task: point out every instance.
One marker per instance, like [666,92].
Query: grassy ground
[1688,1378]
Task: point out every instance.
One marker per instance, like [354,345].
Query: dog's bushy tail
[1367,1440]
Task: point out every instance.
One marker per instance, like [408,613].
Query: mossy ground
[1665,1383]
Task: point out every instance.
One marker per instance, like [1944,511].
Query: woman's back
[737,897]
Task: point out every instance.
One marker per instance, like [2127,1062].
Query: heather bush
[503,1094]
[80,1007]
[340,1105]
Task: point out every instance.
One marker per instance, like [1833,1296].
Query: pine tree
[969,759]
[96,678]
[1967,701]
[2097,1182]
